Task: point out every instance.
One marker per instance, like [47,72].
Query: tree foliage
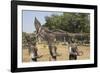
[28,39]
[70,22]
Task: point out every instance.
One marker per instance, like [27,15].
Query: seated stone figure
[73,51]
[34,53]
[31,44]
[53,52]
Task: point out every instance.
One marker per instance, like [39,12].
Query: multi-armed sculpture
[49,36]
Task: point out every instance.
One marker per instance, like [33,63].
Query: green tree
[70,22]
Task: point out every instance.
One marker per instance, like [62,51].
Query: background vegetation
[70,22]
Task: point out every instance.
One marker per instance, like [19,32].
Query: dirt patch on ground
[62,50]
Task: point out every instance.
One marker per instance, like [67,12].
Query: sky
[28,19]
